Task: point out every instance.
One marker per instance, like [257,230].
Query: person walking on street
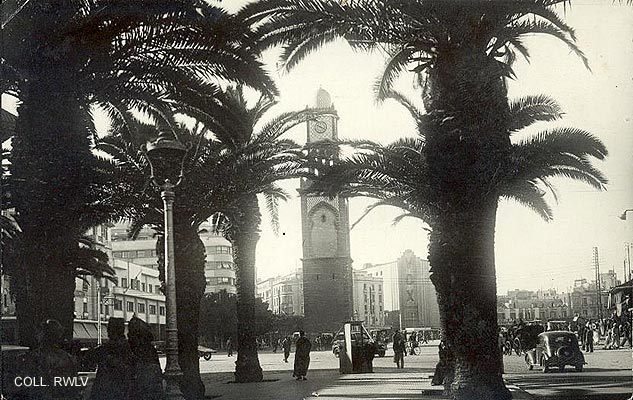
[286,346]
[302,357]
[589,338]
[229,347]
[398,349]
[114,364]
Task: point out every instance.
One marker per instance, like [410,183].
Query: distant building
[368,299]
[284,294]
[219,268]
[409,296]
[584,300]
[527,305]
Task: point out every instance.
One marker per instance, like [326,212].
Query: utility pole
[596,264]
[628,260]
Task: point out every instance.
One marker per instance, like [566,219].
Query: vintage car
[555,349]
[206,352]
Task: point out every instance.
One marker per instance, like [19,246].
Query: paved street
[607,376]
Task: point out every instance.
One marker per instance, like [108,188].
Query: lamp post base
[172,390]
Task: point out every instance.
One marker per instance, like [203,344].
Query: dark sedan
[555,349]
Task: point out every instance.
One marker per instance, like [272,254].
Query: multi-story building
[584,300]
[408,290]
[368,299]
[284,294]
[528,305]
[219,268]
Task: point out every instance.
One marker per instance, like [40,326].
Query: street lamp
[166,158]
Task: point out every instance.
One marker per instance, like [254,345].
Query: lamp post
[166,157]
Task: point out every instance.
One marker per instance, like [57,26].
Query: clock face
[320,126]
[321,129]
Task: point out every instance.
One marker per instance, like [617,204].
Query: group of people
[616,331]
[127,368]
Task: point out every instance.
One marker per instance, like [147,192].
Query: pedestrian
[147,376]
[413,342]
[286,344]
[302,357]
[398,349]
[48,361]
[589,338]
[229,347]
[442,368]
[275,345]
[114,364]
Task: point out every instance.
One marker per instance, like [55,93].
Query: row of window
[219,265]
[139,308]
[138,285]
[125,254]
[222,280]
[134,254]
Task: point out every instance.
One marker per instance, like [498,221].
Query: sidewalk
[329,384]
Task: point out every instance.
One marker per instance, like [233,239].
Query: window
[149,287]
[141,253]
[141,308]
[161,310]
[116,254]
[130,306]
[85,307]
[124,282]
[223,250]
[142,287]
[84,286]
[157,287]
[107,310]
[584,301]
[118,304]
[152,309]
[125,254]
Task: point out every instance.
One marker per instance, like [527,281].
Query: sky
[530,253]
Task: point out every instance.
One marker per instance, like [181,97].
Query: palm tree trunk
[50,167]
[190,285]
[467,102]
[244,237]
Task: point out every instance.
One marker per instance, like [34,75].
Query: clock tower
[327,266]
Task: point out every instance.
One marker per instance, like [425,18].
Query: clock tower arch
[327,265]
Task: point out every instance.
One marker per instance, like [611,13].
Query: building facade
[219,268]
[409,295]
[327,271]
[584,300]
[369,299]
[284,294]
[528,305]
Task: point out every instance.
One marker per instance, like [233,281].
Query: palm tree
[462,55]
[217,173]
[59,58]
[398,175]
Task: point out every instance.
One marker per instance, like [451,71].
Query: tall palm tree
[217,173]
[462,54]
[60,57]
[250,163]
[399,175]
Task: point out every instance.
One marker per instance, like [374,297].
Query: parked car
[555,349]
[206,352]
